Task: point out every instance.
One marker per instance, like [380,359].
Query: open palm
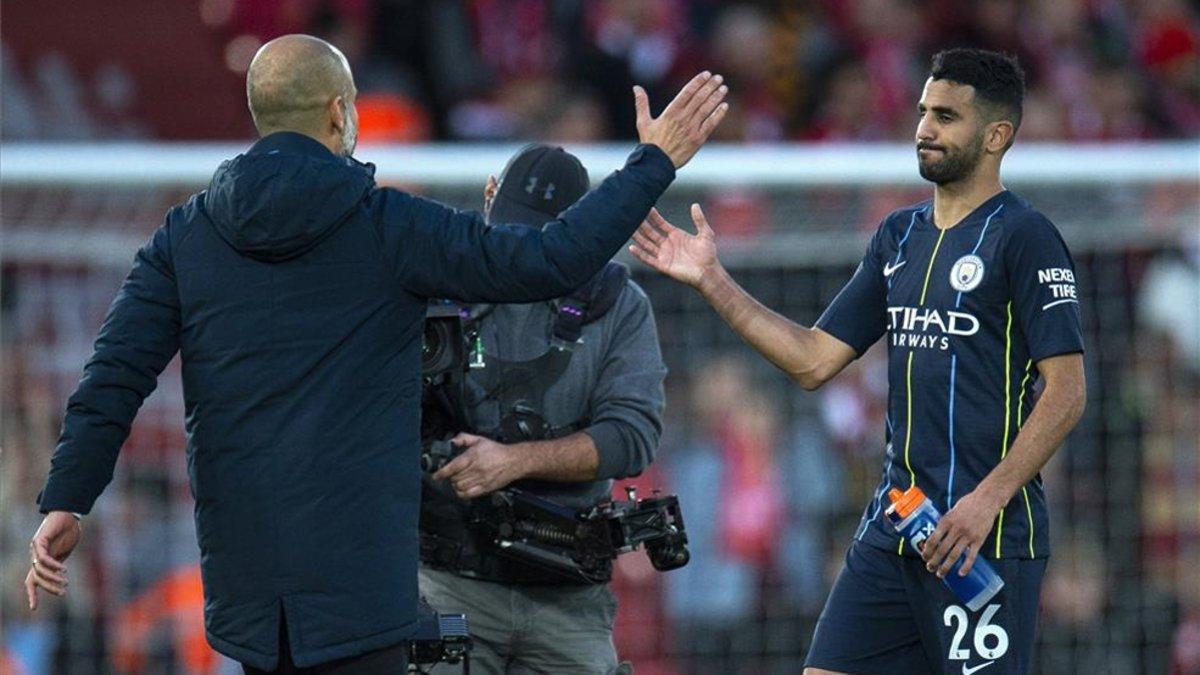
[677,254]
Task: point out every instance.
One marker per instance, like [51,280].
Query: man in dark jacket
[570,396]
[294,290]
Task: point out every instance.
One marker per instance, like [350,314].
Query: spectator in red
[1169,50]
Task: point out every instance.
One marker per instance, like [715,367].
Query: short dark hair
[997,78]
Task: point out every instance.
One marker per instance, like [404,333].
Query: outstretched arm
[443,253]
[810,356]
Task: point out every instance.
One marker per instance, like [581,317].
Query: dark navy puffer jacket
[294,290]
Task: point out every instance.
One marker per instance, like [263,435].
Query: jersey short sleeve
[1041,279]
[858,314]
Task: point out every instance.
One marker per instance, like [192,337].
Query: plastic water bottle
[914,516]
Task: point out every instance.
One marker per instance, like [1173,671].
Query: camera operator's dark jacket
[295,290]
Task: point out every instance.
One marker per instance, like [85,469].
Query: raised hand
[687,121]
[677,254]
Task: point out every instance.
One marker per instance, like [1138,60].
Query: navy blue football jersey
[967,313]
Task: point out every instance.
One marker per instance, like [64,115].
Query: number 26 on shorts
[990,640]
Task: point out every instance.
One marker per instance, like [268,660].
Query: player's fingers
[955,553]
[675,108]
[41,553]
[645,244]
[643,255]
[641,105]
[935,547]
[658,222]
[650,235]
[713,121]
[972,552]
[939,540]
[928,546]
[701,221]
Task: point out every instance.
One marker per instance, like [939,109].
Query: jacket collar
[293,143]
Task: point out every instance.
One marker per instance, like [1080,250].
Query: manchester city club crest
[967,273]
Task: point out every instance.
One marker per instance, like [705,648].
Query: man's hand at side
[962,530]
[687,121]
[483,467]
[48,550]
[1057,411]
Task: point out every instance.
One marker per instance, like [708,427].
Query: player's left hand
[484,466]
[963,529]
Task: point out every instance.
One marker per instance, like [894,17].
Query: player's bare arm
[967,525]
[809,356]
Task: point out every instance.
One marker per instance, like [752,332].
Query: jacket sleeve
[627,402]
[139,337]
[444,253]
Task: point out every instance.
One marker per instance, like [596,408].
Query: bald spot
[291,81]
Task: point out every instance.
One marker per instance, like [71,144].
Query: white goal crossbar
[149,164]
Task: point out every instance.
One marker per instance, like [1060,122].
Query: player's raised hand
[687,121]
[677,254]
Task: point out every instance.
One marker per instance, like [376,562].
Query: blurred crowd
[824,70]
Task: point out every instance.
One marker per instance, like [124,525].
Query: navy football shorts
[887,614]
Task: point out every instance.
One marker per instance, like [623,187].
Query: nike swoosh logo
[968,671]
[888,268]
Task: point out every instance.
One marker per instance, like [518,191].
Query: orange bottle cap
[906,502]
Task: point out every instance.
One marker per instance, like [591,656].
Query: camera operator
[569,397]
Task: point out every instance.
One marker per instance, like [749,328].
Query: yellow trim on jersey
[912,475]
[1007,408]
[929,270]
[1024,491]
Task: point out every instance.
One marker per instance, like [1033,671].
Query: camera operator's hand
[483,467]
[687,121]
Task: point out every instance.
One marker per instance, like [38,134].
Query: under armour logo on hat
[538,183]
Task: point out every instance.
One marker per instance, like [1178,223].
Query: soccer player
[975,292]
